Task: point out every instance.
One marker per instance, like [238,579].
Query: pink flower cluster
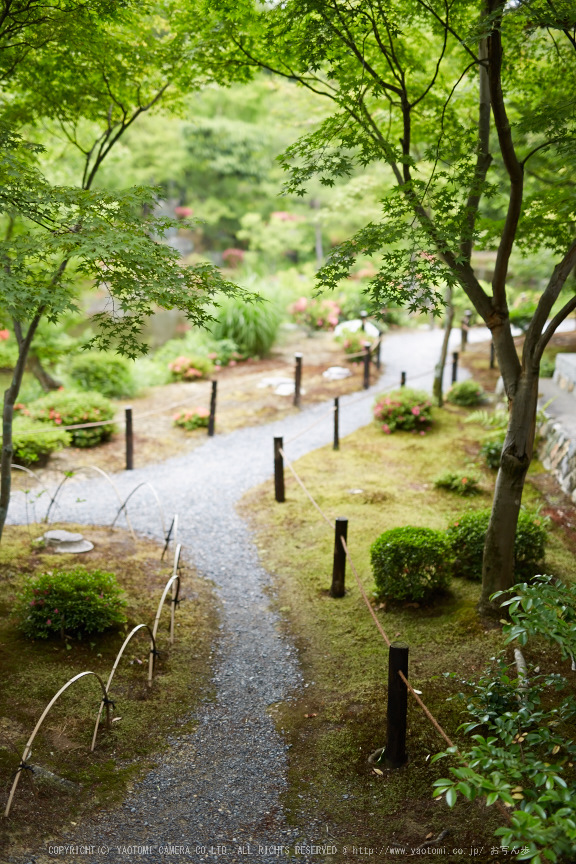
[315,313]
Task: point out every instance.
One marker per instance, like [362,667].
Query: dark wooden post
[492,355]
[278,470]
[454,366]
[336,423]
[379,353]
[339,567]
[465,327]
[212,417]
[129,432]
[297,379]
[396,715]
[403,379]
[366,383]
[363,316]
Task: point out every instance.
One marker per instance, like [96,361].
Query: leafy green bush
[491,449]
[190,368]
[461,484]
[8,352]
[196,418]
[224,352]
[70,602]
[547,367]
[252,326]
[465,393]
[64,408]
[466,536]
[108,374]
[405,409]
[410,563]
[38,446]
[545,607]
[521,755]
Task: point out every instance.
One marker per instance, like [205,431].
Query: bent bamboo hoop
[28,747]
[114,667]
[106,477]
[161,511]
[156,620]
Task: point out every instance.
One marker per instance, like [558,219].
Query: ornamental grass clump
[404,410]
[195,418]
[63,408]
[461,484]
[74,602]
[467,534]
[465,393]
[410,564]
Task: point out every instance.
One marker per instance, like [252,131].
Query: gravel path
[221,785]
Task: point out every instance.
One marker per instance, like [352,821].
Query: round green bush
[404,409]
[191,368]
[465,393]
[74,602]
[35,447]
[410,563]
[108,374]
[252,326]
[467,533]
[63,408]
[491,449]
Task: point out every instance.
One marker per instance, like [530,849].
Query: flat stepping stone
[66,542]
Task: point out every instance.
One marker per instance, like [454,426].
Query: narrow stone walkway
[218,794]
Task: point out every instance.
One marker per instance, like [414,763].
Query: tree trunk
[10,396]
[42,375]
[439,370]
[498,563]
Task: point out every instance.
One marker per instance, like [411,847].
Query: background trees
[472,108]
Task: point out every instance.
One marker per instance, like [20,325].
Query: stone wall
[557,452]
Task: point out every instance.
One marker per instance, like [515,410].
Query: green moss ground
[378,482]
[33,671]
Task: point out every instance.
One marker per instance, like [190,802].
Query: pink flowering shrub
[406,410]
[63,408]
[190,368]
[74,602]
[315,313]
[194,418]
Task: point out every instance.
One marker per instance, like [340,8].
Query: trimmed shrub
[466,536]
[252,326]
[465,393]
[491,449]
[461,484]
[64,408]
[410,563]
[190,368]
[108,374]
[196,418]
[36,448]
[74,602]
[315,313]
[352,342]
[405,409]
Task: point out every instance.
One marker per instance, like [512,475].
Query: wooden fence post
[454,366]
[129,433]
[403,379]
[297,379]
[367,357]
[212,417]
[396,715]
[278,470]
[339,567]
[492,355]
[336,423]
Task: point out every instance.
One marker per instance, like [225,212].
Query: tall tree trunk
[439,370]
[46,380]
[498,563]
[10,396]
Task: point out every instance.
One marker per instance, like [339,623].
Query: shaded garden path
[221,785]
